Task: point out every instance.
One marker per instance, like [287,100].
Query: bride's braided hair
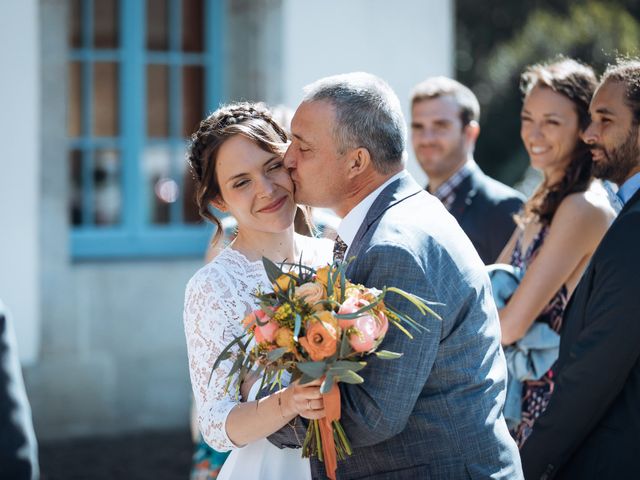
[251,120]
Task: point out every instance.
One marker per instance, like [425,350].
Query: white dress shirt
[350,224]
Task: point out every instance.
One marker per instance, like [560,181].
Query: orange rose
[311,293]
[321,339]
[283,281]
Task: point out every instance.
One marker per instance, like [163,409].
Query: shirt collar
[350,224]
[454,180]
[628,188]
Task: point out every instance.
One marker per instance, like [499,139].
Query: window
[141,77]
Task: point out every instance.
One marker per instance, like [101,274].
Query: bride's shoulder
[315,251]
[221,266]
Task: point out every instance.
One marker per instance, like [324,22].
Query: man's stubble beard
[619,163]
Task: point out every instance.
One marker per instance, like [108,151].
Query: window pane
[157,101]
[105,99]
[107,187]
[192,98]
[105,18]
[189,208]
[75,24]
[75,194]
[75,99]
[161,189]
[192,25]
[157,25]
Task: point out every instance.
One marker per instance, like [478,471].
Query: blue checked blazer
[437,411]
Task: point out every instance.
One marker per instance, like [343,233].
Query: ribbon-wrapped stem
[332,439]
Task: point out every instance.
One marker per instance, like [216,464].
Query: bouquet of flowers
[317,324]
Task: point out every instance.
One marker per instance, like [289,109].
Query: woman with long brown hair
[562,223]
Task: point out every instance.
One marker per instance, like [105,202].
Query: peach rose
[283,281]
[311,292]
[363,334]
[321,340]
[383,325]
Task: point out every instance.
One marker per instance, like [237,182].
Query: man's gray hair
[368,115]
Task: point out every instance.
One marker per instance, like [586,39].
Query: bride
[237,158]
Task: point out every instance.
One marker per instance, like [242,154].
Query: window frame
[135,236]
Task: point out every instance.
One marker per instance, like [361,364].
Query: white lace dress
[217,298]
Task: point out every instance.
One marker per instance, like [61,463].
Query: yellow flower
[284,337]
[282,282]
[322,275]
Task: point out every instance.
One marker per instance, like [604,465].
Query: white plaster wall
[19,171]
[401,41]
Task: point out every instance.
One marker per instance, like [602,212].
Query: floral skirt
[535,398]
[207,462]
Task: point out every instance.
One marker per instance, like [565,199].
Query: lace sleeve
[212,318]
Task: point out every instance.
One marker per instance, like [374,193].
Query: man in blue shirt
[591,428]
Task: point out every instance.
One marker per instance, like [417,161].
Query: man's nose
[289,158]
[589,135]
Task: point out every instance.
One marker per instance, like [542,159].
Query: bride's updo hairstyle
[251,120]
[577,82]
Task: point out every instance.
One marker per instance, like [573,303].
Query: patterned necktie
[339,249]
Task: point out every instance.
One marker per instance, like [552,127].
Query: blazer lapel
[394,193]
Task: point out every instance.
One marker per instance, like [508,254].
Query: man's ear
[219,204]
[358,162]
[471,132]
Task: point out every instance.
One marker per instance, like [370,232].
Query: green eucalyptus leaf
[297,326]
[274,355]
[312,369]
[327,384]
[350,376]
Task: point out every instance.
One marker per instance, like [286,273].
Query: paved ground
[154,455]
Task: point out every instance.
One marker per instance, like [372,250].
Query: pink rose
[383,325]
[350,305]
[267,331]
[365,333]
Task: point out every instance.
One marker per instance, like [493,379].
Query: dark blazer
[18,450]
[436,412]
[484,209]
[591,428]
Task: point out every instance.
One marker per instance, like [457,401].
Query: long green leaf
[420,303]
[224,355]
[271,269]
[345,347]
[386,355]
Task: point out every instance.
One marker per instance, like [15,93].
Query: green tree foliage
[592,32]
